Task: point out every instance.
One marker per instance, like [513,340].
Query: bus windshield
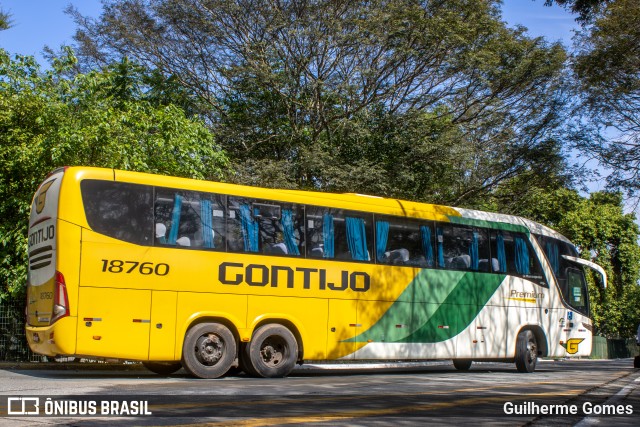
[569,275]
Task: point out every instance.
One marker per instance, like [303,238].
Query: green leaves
[607,69]
[103,118]
[5,20]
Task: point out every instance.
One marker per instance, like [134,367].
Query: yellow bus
[176,272]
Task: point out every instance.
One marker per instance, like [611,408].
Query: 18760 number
[128,267]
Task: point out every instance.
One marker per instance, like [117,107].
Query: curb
[71,366]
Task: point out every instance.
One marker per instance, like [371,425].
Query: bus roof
[532,226]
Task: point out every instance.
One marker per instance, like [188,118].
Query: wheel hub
[533,352]
[271,354]
[209,349]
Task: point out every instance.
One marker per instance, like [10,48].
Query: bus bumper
[54,340]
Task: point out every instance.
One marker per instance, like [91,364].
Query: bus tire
[209,350]
[162,368]
[272,352]
[462,364]
[526,351]
[244,361]
[636,362]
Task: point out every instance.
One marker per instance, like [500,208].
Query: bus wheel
[462,364]
[162,368]
[272,352]
[209,350]
[244,361]
[526,351]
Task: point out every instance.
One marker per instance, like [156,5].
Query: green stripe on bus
[505,226]
[457,312]
[436,306]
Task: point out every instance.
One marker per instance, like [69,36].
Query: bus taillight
[61,300]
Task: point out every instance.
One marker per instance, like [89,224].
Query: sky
[37,23]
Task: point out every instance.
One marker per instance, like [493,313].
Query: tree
[5,20]
[607,69]
[307,94]
[585,9]
[102,118]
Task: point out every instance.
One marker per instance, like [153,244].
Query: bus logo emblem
[42,196]
[572,345]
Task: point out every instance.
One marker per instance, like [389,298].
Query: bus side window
[499,242]
[339,234]
[264,227]
[162,217]
[526,261]
[576,289]
[178,215]
[513,254]
[120,210]
[319,232]
[242,227]
[400,241]
[462,248]
[280,227]
[212,222]
[292,229]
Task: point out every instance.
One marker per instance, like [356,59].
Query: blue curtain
[554,257]
[502,255]
[382,237]
[427,248]
[440,246]
[249,229]
[357,239]
[328,236]
[522,256]
[206,217]
[474,252]
[288,231]
[175,220]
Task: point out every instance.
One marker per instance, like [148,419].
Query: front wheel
[272,352]
[526,352]
[462,364]
[209,350]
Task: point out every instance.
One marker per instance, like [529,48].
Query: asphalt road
[599,392]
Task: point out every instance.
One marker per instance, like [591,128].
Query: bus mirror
[591,265]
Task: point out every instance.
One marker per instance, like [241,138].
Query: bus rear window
[120,210]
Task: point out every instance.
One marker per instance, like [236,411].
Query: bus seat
[317,252]
[397,256]
[161,231]
[278,248]
[461,262]
[495,264]
[183,241]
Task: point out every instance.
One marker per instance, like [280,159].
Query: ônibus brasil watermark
[35,406]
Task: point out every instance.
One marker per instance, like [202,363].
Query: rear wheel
[462,364]
[272,352]
[162,368]
[244,361]
[526,352]
[209,350]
